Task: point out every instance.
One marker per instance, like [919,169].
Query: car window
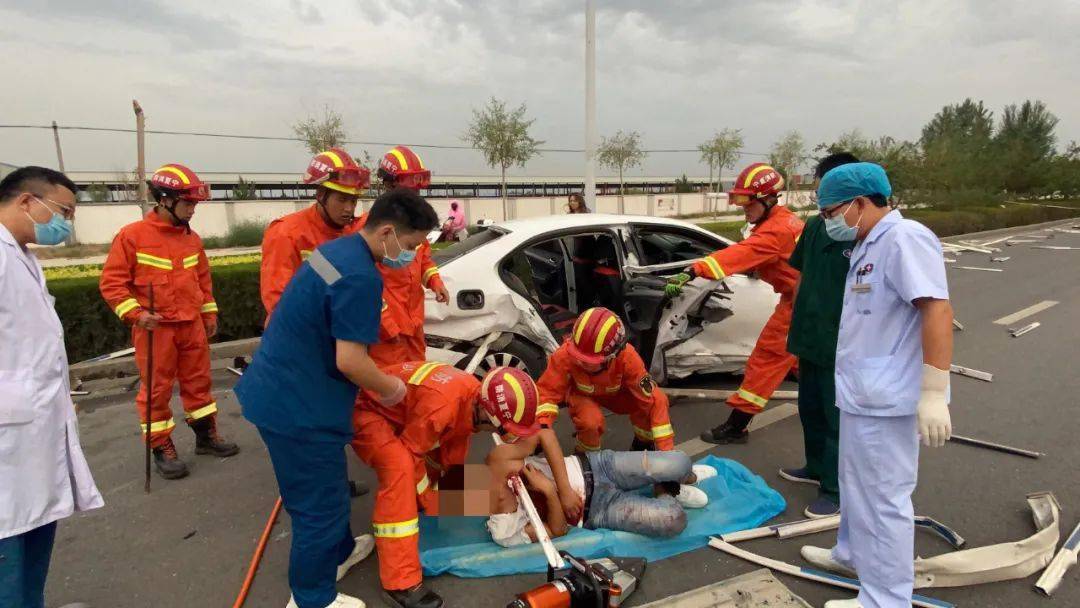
[663,246]
[478,237]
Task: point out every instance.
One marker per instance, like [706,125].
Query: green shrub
[730,230]
[978,219]
[248,233]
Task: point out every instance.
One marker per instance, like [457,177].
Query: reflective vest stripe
[643,434]
[323,268]
[547,408]
[161,425]
[305,254]
[398,529]
[126,306]
[191,260]
[587,447]
[613,389]
[714,268]
[664,430]
[752,398]
[423,372]
[422,485]
[430,272]
[152,260]
[203,412]
[209,307]
[585,388]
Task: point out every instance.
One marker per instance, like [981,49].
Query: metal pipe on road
[997,447]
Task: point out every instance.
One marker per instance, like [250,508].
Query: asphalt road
[188,543]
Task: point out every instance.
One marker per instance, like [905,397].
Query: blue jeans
[314,486]
[24,564]
[616,504]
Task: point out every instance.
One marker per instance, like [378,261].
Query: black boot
[168,463]
[417,597]
[207,441]
[732,431]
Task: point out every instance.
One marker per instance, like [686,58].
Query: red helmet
[510,398]
[178,178]
[757,181]
[401,167]
[598,335]
[337,170]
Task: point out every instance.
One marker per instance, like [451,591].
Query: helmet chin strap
[175,218]
[768,208]
[326,214]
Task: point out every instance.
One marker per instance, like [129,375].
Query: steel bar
[971,373]
[1019,331]
[997,447]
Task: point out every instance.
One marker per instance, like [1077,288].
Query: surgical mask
[52,232]
[837,228]
[403,258]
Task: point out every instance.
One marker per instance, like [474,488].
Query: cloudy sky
[412,70]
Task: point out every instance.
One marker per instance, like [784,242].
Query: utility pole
[60,163]
[590,105]
[140,141]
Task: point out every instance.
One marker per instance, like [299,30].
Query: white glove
[394,397]
[935,425]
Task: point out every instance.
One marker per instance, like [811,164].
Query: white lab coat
[43,473]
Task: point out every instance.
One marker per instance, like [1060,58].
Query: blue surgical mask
[403,258]
[52,232]
[837,228]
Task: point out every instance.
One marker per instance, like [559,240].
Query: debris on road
[1054,247]
[978,268]
[1001,259]
[971,373]
[1019,331]
[1065,559]
[190,534]
[949,260]
[706,393]
[958,324]
[955,247]
[823,524]
[997,447]
[1014,242]
[757,589]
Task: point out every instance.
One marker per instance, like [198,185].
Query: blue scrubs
[879,363]
[302,405]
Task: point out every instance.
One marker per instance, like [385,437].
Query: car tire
[517,353]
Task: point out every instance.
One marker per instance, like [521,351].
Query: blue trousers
[314,486]
[24,564]
[617,505]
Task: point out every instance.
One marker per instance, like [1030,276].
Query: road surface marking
[696,446]
[1025,313]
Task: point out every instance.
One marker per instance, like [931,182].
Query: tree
[721,151]
[1024,143]
[503,137]
[321,133]
[901,159]
[244,190]
[956,144]
[787,154]
[621,152]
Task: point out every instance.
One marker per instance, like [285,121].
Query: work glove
[675,284]
[935,424]
[395,397]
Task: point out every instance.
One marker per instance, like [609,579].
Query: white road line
[1025,313]
[983,269]
[696,446]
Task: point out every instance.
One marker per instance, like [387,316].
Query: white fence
[99,222]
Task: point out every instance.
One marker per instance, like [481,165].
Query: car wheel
[517,353]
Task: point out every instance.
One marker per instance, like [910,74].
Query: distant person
[289,240]
[162,254]
[43,473]
[576,204]
[815,320]
[454,227]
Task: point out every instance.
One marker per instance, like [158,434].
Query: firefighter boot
[732,431]
[168,463]
[417,597]
[207,440]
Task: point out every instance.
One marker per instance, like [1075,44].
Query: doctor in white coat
[43,474]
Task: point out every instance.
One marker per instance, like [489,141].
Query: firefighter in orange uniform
[401,331]
[775,230]
[160,255]
[289,240]
[596,367]
[409,444]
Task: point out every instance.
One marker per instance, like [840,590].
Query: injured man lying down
[640,492]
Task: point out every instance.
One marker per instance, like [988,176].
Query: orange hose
[257,557]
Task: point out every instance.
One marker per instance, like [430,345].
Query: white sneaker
[703,472]
[341,601]
[822,558]
[692,497]
[364,544]
[852,603]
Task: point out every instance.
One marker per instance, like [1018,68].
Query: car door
[714,325]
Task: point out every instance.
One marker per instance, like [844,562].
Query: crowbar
[997,447]
[1065,559]
[518,487]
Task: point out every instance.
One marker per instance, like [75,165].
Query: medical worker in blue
[892,381]
[300,388]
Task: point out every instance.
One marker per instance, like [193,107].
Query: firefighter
[289,240]
[596,367]
[773,234]
[161,253]
[409,445]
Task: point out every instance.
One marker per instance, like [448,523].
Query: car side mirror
[470,299]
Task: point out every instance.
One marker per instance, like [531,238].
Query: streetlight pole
[590,105]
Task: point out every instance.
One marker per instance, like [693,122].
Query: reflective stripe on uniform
[585,388]
[384,306]
[191,260]
[203,412]
[612,389]
[397,529]
[209,307]
[587,447]
[752,398]
[430,272]
[664,430]
[547,408]
[714,268]
[126,306]
[152,260]
[422,485]
[423,372]
[159,426]
[643,434]
[323,268]
[431,462]
[305,254]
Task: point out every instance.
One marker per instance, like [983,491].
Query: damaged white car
[517,288]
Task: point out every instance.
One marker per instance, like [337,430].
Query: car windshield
[478,237]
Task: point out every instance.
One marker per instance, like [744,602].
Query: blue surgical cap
[853,179]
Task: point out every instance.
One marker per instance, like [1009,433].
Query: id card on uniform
[860,288]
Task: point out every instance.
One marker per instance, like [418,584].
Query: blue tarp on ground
[738,500]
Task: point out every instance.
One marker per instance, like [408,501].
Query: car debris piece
[757,589]
[998,447]
[1014,242]
[813,575]
[1054,247]
[708,393]
[109,356]
[235,371]
[949,260]
[974,247]
[958,324]
[971,373]
[978,268]
[1065,559]
[1000,258]
[1019,331]
[996,241]
[804,527]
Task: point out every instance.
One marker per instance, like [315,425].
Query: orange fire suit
[153,252]
[288,241]
[766,251]
[623,387]
[401,330]
[409,445]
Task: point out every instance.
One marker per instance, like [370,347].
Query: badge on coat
[647,385]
